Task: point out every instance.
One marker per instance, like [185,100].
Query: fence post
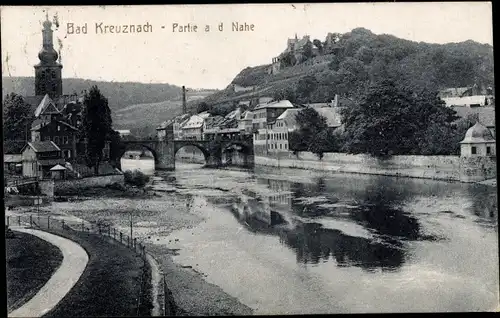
[99,226]
[38,218]
[83,227]
[114,234]
[19,220]
[48,222]
[128,241]
[121,235]
[31,220]
[135,243]
[63,224]
[7,220]
[109,230]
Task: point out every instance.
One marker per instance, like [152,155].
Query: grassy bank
[116,282]
[30,263]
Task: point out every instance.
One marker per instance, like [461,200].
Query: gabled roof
[278,104]
[288,117]
[33,101]
[42,146]
[46,106]
[332,115]
[57,167]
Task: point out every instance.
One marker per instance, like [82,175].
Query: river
[295,242]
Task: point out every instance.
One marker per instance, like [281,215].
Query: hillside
[360,57]
[134,105]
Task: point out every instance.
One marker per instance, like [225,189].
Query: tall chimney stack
[184,111]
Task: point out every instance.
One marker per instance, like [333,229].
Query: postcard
[249,159]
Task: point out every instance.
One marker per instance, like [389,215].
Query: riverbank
[154,214]
[30,263]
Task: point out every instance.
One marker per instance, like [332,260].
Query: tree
[202,107]
[305,87]
[287,93]
[287,60]
[308,50]
[393,121]
[317,43]
[17,119]
[96,126]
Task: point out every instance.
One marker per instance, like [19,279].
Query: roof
[57,167]
[66,124]
[10,158]
[466,100]
[332,115]
[47,105]
[43,146]
[288,117]
[278,104]
[248,115]
[478,134]
[486,114]
[50,162]
[195,121]
[178,120]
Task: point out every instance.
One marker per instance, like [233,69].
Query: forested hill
[355,59]
[120,95]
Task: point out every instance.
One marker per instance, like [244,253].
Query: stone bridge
[213,150]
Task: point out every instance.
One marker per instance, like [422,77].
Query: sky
[212,59]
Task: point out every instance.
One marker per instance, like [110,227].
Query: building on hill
[177,123]
[473,96]
[192,129]
[294,46]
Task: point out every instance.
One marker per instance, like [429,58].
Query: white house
[478,141]
[193,127]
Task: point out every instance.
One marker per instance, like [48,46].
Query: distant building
[294,46]
[238,88]
[264,117]
[467,96]
[177,123]
[12,163]
[192,129]
[123,132]
[38,157]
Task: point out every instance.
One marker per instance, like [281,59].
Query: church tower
[48,79]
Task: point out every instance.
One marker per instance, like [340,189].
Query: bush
[136,178]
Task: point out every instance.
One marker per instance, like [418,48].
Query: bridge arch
[135,145]
[186,143]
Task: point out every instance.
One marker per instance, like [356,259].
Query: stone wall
[429,167]
[474,169]
[90,182]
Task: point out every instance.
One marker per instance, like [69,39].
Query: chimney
[184,111]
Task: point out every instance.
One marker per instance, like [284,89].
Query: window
[56,139]
[474,150]
[286,146]
[280,146]
[488,150]
[47,138]
[58,128]
[65,140]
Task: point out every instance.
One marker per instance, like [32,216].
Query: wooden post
[48,222]
[128,241]
[83,227]
[121,234]
[135,243]
[19,220]
[114,234]
[7,220]
[31,220]
[63,224]
[109,230]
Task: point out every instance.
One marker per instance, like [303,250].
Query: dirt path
[75,260]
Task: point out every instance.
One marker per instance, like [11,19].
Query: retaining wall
[429,167]
[90,182]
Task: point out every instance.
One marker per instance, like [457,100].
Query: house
[245,123]
[176,122]
[38,157]
[264,119]
[192,129]
[478,141]
[12,163]
[294,46]
[472,96]
[64,135]
[276,138]
[124,132]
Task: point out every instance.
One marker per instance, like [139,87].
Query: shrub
[136,178]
